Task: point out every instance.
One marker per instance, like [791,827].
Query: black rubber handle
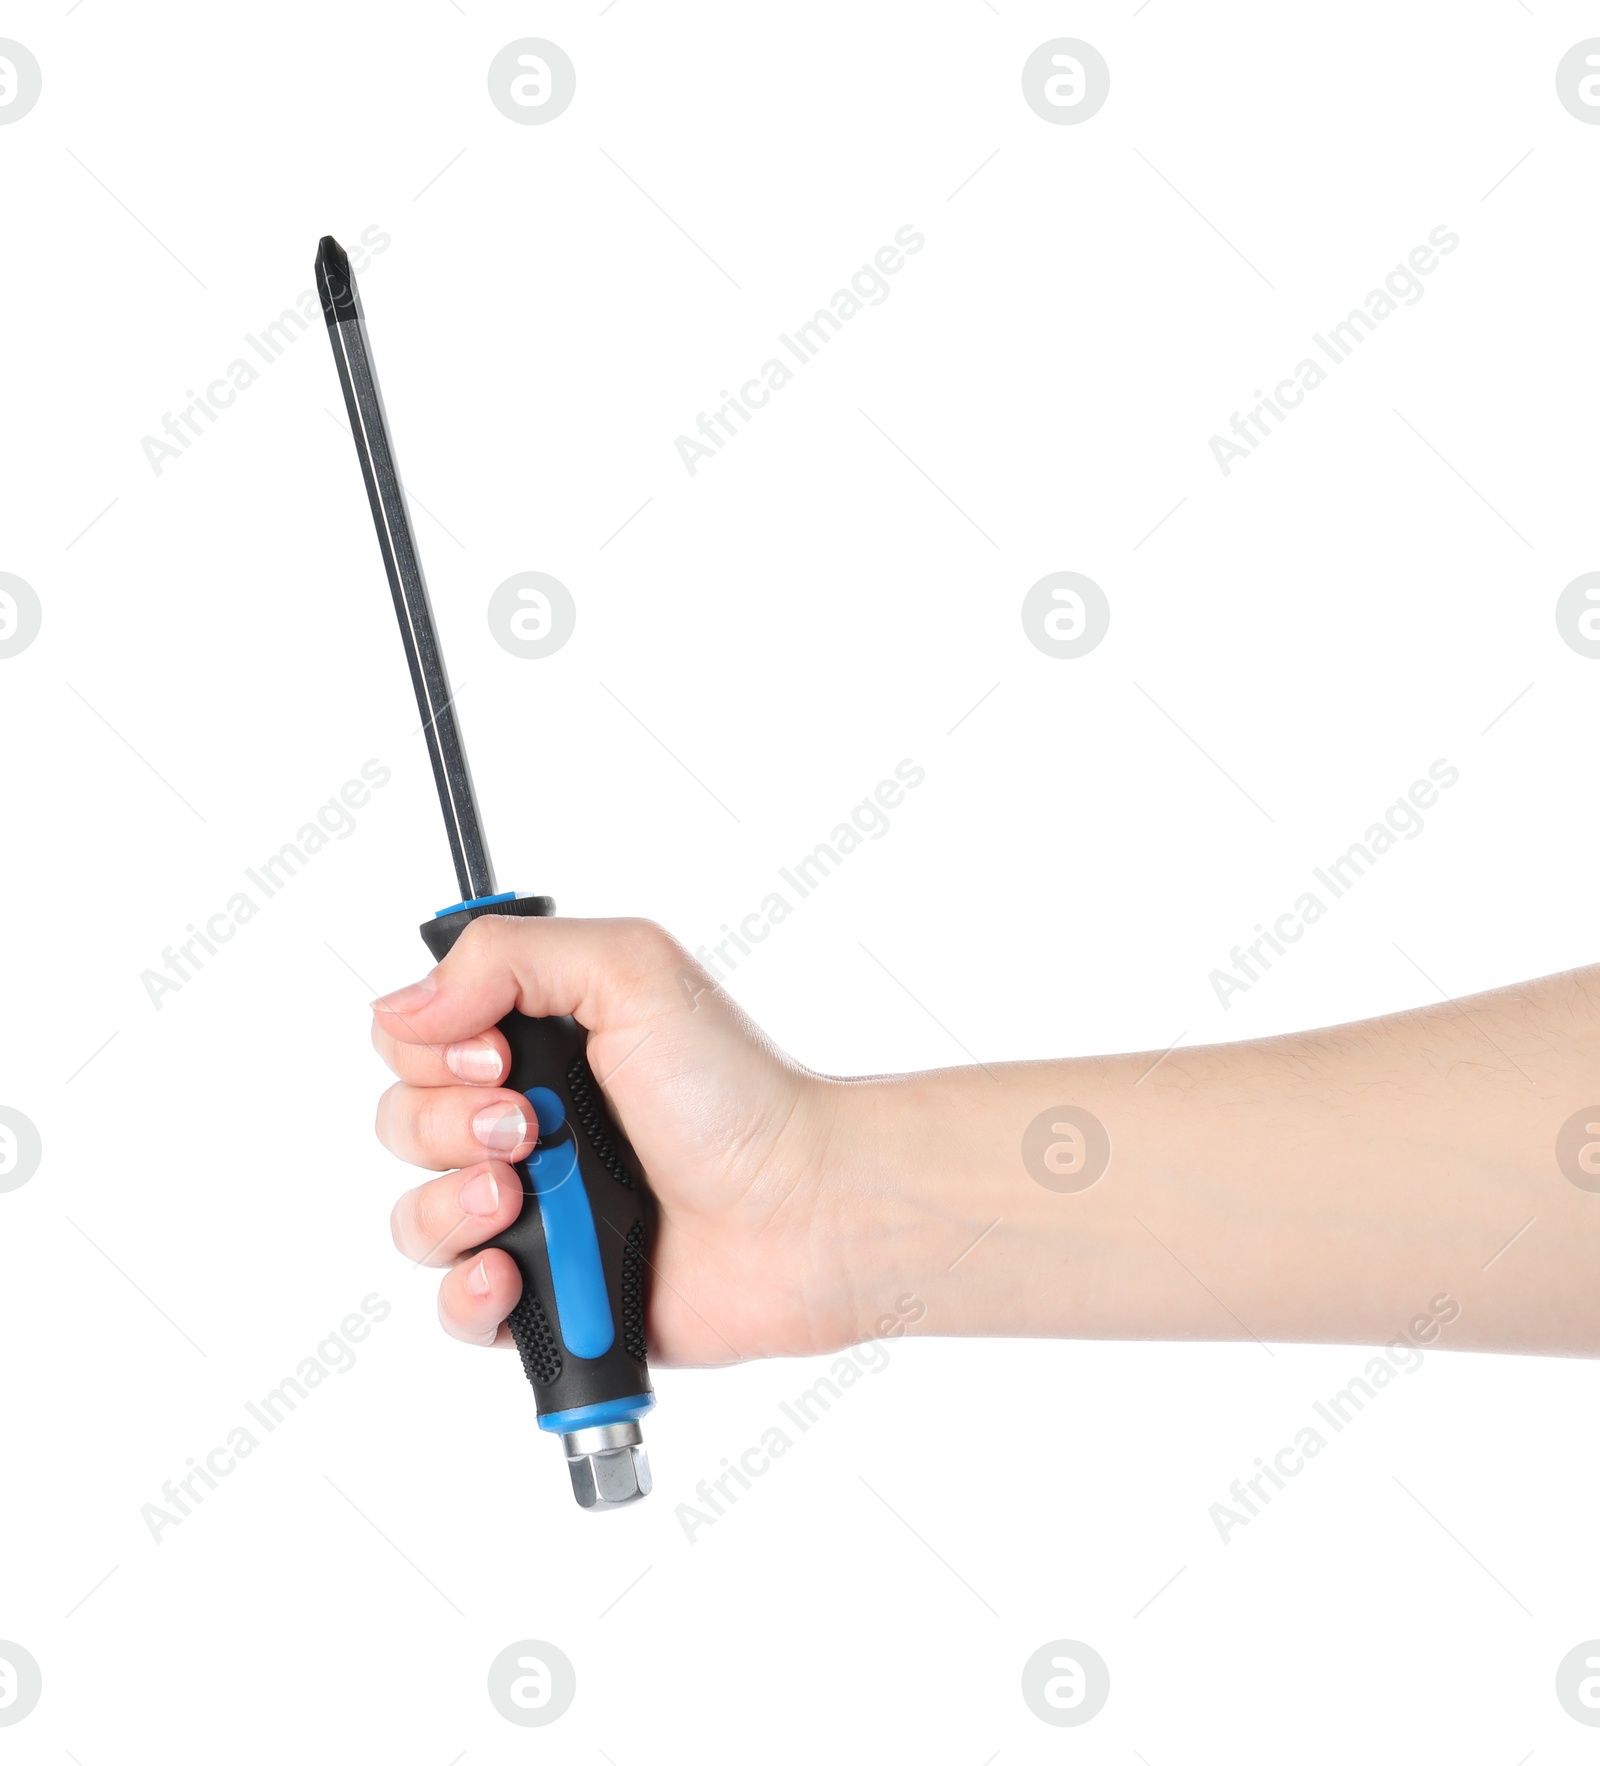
[551,1053]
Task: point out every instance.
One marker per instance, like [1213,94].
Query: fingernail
[408,999]
[478,1279]
[480,1194]
[500,1130]
[473,1061]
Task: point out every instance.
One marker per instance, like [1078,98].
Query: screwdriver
[579,1246]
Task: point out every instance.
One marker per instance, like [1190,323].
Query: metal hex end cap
[607,1480]
[608,1465]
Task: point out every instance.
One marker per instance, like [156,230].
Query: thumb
[610,975]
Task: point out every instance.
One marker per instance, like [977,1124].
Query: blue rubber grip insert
[548,1110]
[596,1416]
[583,1307]
[480,901]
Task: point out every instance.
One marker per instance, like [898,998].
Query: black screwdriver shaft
[347,332]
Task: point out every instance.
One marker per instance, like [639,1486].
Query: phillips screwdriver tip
[335,285]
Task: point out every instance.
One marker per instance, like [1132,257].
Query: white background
[1288,650]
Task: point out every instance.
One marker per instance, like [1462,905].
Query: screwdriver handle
[582,1241]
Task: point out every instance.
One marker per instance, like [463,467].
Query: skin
[1323,1187]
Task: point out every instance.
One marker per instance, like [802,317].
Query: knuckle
[648,946]
[398,1227]
[425,1221]
[434,1220]
[385,1117]
[437,1127]
[472,934]
[420,1124]
[456,1315]
[485,935]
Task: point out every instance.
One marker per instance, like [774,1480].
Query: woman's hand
[749,1258]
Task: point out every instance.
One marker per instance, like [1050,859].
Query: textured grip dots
[590,1110]
[633,1291]
[535,1341]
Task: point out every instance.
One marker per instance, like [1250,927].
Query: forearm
[1316,1188]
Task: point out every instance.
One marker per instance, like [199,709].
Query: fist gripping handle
[581,1245]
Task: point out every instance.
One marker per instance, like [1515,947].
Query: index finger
[479,1060]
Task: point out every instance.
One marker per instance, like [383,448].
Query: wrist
[942,1212]
[916,1200]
